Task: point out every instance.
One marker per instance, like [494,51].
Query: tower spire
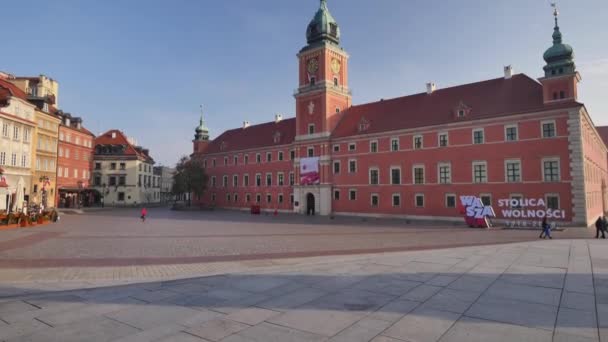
[557,35]
[202,132]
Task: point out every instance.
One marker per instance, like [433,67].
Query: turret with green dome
[560,56]
[323,27]
[202,132]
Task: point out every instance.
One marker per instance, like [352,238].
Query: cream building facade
[123,172]
[18,126]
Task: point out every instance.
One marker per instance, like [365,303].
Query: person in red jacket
[144,212]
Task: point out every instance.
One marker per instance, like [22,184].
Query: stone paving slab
[532,291]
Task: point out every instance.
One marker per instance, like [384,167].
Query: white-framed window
[547,129]
[2,158]
[374,176]
[61,151]
[60,172]
[225,181]
[5,129]
[75,173]
[352,195]
[336,167]
[67,153]
[14,159]
[246,159]
[311,128]
[258,198]
[418,174]
[374,200]
[292,179]
[552,201]
[24,161]
[418,142]
[268,179]
[480,172]
[478,136]
[268,157]
[395,175]
[280,156]
[258,158]
[450,200]
[352,146]
[396,200]
[486,199]
[235,160]
[16,132]
[258,179]
[66,172]
[394,144]
[443,139]
[213,181]
[513,170]
[511,133]
[352,166]
[280,179]
[27,134]
[235,181]
[280,198]
[247,198]
[444,173]
[246,180]
[228,198]
[419,200]
[373,146]
[518,197]
[268,198]
[336,195]
[336,148]
[310,152]
[551,170]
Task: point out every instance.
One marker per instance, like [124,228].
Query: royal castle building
[523,146]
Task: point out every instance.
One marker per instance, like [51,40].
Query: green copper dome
[202,132]
[560,56]
[323,27]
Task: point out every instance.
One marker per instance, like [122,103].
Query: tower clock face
[313,65]
[335,66]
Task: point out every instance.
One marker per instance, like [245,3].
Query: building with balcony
[74,163]
[525,147]
[122,171]
[18,126]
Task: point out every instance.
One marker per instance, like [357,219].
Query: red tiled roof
[256,136]
[603,133]
[14,90]
[481,100]
[121,139]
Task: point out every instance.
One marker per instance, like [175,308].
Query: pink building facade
[509,138]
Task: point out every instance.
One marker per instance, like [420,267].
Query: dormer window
[461,113]
[223,146]
[461,110]
[276,137]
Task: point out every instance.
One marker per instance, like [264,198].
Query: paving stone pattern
[533,291]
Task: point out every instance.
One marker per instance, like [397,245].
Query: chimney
[430,88]
[246,124]
[67,121]
[508,72]
[113,135]
[278,118]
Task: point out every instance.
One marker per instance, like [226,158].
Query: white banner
[309,171]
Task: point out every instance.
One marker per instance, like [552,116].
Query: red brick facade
[414,156]
[74,163]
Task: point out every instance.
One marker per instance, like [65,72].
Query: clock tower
[323,91]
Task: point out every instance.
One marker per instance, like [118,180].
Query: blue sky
[146,66]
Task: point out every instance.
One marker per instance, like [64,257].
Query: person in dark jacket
[600,226]
[546,229]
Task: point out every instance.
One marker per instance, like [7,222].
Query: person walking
[546,229]
[144,212]
[600,226]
